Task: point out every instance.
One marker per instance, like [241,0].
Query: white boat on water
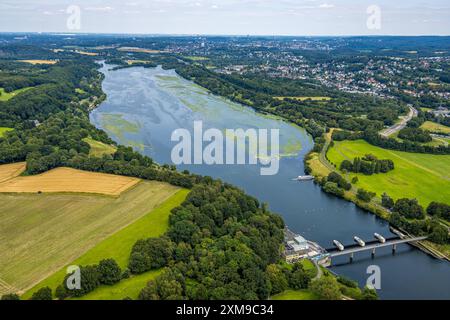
[304,178]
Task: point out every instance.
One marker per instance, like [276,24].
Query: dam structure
[298,248]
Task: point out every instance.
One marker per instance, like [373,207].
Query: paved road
[399,126]
[319,272]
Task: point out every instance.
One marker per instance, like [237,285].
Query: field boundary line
[8,287]
[16,173]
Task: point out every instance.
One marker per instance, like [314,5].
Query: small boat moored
[339,245]
[360,241]
[380,238]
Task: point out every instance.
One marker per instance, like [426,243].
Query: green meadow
[99,149]
[3,130]
[128,288]
[5,96]
[435,127]
[295,295]
[197,58]
[425,177]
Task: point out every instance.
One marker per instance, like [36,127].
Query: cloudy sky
[253,17]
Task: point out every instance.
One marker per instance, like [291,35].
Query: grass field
[80,91]
[317,166]
[9,171]
[435,127]
[197,58]
[62,180]
[99,149]
[130,62]
[415,175]
[5,96]
[34,62]
[129,288]
[47,231]
[436,142]
[85,53]
[439,142]
[119,245]
[3,130]
[309,267]
[305,98]
[295,295]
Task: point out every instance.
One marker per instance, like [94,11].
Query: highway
[402,124]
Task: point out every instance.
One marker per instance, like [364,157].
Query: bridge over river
[369,246]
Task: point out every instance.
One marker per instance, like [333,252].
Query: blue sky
[253,17]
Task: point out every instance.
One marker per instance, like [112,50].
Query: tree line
[368,165]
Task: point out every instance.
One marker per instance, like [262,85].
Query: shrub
[364,195]
[440,210]
[277,279]
[61,292]
[10,297]
[326,288]
[90,280]
[409,208]
[153,253]
[333,188]
[387,201]
[347,282]
[109,271]
[299,278]
[42,294]
[369,294]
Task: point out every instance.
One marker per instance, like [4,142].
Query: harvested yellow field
[318,168]
[85,53]
[435,127]
[67,180]
[39,61]
[130,62]
[9,171]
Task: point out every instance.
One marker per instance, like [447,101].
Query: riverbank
[320,168]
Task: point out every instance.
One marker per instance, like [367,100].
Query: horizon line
[216,35]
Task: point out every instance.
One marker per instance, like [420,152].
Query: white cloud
[99,9]
[326,6]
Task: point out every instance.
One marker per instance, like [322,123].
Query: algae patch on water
[116,125]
